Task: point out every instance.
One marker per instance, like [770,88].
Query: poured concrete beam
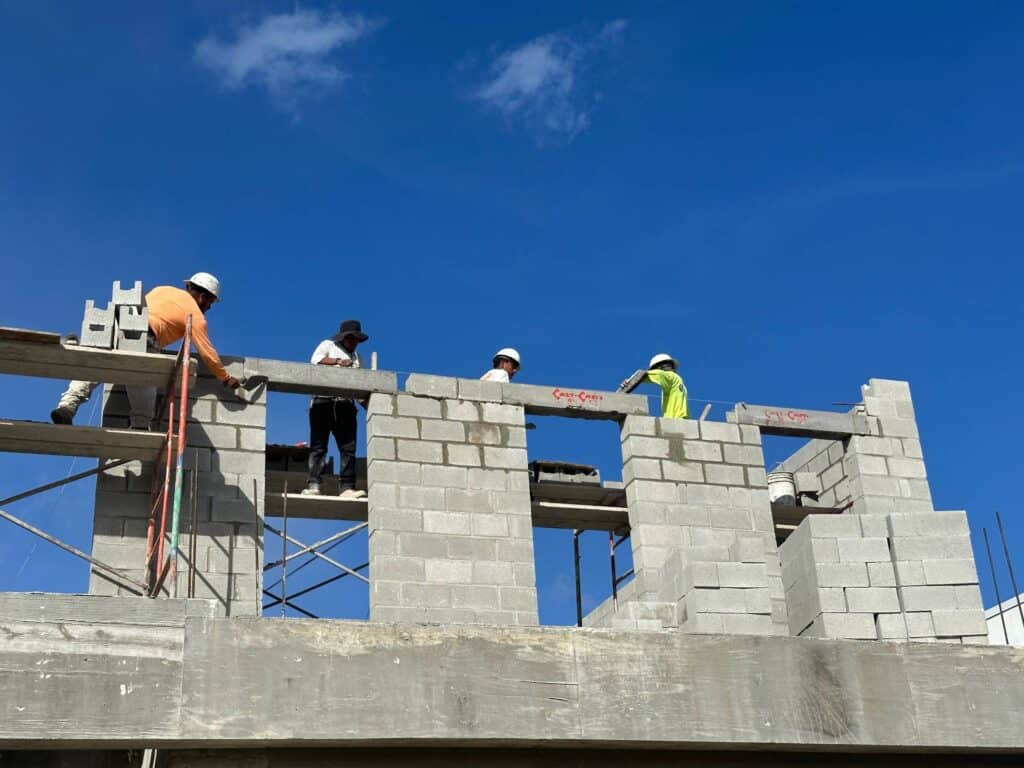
[108,672]
[799,422]
[329,380]
[573,401]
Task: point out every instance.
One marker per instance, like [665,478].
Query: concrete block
[719,431]
[496,525]
[640,425]
[458,500]
[392,519]
[474,389]
[462,455]
[499,413]
[849,626]
[522,599]
[420,451]
[381,404]
[877,446]
[449,571]
[841,575]
[881,574]
[461,411]
[431,386]
[436,521]
[750,434]
[931,547]
[953,623]
[133,296]
[97,326]
[903,467]
[872,600]
[504,458]
[484,434]
[950,571]
[449,431]
[743,454]
[702,495]
[685,428]
[742,574]
[653,490]
[649,447]
[398,568]
[475,596]
[426,595]
[649,469]
[392,426]
[420,407]
[493,573]
[682,471]
[441,476]
[929,598]
[698,450]
[864,550]
[723,474]
[757,477]
[967,595]
[909,573]
[487,479]
[806,482]
[420,497]
[720,600]
[514,437]
[380,448]
[833,526]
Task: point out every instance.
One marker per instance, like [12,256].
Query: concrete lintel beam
[799,422]
[573,402]
[307,379]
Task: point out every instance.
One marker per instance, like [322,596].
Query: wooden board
[315,507]
[22,334]
[57,361]
[64,440]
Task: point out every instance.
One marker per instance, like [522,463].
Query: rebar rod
[68,548]
[995,583]
[65,481]
[1009,567]
[183,361]
[284,551]
[576,567]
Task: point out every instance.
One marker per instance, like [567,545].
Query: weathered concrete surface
[261,682]
[799,422]
[306,379]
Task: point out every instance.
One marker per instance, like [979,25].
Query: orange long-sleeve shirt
[168,309]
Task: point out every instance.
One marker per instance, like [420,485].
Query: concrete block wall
[450,525]
[861,574]
[226,444]
[701,530]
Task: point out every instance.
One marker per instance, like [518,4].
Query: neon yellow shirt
[673,393]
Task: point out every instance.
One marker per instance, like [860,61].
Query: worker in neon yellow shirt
[662,371]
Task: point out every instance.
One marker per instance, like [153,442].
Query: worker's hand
[343,363]
[231,382]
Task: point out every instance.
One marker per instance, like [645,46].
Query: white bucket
[781,488]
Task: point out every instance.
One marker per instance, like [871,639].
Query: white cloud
[290,54]
[539,83]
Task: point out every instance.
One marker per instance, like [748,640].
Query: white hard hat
[662,358]
[508,352]
[207,282]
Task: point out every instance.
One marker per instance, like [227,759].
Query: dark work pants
[337,417]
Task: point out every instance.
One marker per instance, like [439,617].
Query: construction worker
[506,363]
[662,371]
[168,307]
[335,415]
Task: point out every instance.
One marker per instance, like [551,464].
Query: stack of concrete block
[226,440]
[451,536]
[883,577]
[123,324]
[701,526]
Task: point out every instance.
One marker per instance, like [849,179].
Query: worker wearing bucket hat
[335,415]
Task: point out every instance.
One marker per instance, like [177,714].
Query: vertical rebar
[194,507]
[611,562]
[284,549]
[995,583]
[576,563]
[1009,567]
[186,344]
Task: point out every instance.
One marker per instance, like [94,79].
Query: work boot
[352,494]
[62,415]
[311,490]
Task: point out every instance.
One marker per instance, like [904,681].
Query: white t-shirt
[331,348]
[496,374]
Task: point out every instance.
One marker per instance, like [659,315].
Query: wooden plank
[57,361]
[315,507]
[590,517]
[22,334]
[65,440]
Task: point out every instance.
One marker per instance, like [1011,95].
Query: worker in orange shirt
[169,308]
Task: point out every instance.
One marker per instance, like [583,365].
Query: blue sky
[791,198]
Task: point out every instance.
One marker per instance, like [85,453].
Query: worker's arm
[321,356]
[203,345]
[335,361]
[667,380]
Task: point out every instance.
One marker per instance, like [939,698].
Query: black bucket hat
[351,328]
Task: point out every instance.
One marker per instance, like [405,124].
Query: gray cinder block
[97,326]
